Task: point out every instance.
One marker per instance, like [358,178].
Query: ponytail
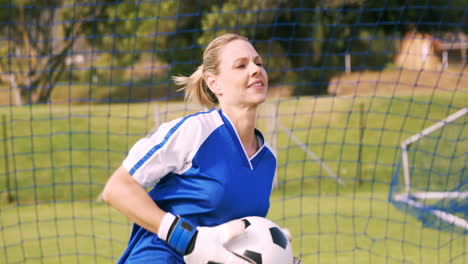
[194,85]
[196,89]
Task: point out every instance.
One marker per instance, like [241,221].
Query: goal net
[348,81]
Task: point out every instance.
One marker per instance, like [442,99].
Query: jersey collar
[235,136]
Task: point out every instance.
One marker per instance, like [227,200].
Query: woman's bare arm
[125,194]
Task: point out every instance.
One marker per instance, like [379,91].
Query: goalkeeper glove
[287,233]
[201,245]
[297,261]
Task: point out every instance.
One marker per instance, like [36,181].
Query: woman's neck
[243,121]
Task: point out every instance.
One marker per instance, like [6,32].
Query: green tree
[297,37]
[422,15]
[39,39]
[154,32]
[305,41]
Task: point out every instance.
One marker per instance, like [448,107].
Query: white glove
[287,233]
[202,245]
[297,261]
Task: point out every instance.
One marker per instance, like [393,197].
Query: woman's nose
[255,69]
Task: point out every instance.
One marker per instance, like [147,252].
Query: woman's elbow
[111,185]
[114,185]
[107,192]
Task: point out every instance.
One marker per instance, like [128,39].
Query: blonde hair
[194,85]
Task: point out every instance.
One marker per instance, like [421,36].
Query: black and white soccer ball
[263,242]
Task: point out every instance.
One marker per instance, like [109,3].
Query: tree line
[303,42]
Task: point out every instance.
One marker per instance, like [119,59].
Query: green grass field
[57,168]
[352,228]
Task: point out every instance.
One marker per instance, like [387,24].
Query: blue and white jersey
[200,171]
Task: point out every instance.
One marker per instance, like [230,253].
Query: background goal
[435,173]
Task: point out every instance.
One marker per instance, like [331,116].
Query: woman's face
[241,80]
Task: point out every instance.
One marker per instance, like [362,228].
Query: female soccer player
[207,169]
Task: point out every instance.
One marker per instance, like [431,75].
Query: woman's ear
[212,84]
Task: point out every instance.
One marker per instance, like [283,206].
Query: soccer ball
[263,242]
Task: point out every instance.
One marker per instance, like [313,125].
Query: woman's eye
[241,66]
[259,64]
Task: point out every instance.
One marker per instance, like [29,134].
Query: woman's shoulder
[204,122]
[205,119]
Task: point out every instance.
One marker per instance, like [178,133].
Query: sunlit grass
[59,157]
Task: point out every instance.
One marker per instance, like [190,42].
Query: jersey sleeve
[164,151]
[171,148]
